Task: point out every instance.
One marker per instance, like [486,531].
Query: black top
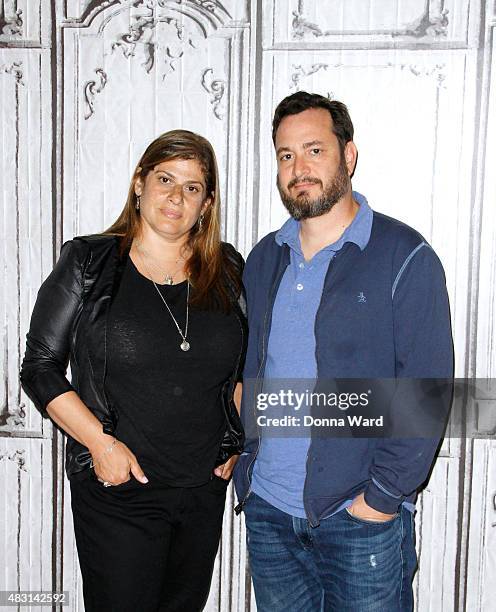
[168,400]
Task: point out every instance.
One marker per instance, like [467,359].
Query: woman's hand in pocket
[115,463]
[226,469]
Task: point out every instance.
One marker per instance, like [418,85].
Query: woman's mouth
[170,213]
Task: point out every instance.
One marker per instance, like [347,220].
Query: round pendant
[185,345]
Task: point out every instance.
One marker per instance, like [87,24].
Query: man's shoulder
[395,236]
[264,245]
[404,243]
[389,227]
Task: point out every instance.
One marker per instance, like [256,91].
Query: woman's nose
[176,194]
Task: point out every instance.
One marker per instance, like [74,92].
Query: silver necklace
[169,276]
[185,345]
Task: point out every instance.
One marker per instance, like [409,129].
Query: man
[338,292]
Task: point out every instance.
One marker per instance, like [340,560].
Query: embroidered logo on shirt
[361,298]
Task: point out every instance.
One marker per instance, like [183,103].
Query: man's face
[313,174]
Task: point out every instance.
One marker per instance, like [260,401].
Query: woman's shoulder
[233,256]
[98,240]
[83,249]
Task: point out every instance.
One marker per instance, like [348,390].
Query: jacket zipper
[239,507]
[307,511]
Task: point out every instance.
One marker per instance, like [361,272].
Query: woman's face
[173,195]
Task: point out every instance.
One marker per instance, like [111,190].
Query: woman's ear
[138,186]
[208,202]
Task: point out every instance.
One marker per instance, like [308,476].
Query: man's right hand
[116,463]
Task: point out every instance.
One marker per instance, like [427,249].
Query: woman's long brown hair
[211,274]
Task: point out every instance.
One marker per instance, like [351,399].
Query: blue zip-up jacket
[403,332]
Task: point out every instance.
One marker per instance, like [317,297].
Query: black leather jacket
[69,321]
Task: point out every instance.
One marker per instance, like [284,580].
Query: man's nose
[300,166]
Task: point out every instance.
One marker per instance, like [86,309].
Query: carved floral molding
[159,51]
[216,88]
[16,457]
[432,24]
[11,22]
[301,72]
[14,69]
[91,89]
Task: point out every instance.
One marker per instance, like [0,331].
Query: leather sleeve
[43,371]
[238,262]
[239,294]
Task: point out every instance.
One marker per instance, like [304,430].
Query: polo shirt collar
[358,231]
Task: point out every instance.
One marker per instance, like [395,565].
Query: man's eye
[285,157]
[316,151]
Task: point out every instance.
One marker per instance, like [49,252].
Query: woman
[150,314]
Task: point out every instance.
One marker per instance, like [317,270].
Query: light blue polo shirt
[280,468]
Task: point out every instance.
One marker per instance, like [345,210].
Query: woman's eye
[165,180]
[193,189]
[316,151]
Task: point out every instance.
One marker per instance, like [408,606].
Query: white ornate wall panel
[437,519]
[412,145]
[138,70]
[414,136]
[24,23]
[481,541]
[79,100]
[26,524]
[132,71]
[392,23]
[482,528]
[25,221]
[485,347]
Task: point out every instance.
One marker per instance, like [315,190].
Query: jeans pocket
[362,521]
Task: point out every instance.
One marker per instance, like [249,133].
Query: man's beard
[302,207]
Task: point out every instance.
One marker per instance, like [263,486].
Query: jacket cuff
[46,387]
[378,499]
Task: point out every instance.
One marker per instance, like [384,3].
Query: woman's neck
[159,248]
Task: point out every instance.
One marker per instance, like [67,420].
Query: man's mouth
[303,184]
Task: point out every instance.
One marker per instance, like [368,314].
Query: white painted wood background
[86,84]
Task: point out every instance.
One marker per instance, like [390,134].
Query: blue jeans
[344,565]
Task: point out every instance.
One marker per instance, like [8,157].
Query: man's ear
[350,156]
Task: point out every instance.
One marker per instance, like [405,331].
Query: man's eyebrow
[281,149]
[307,145]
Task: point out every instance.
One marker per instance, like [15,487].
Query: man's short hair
[300,101]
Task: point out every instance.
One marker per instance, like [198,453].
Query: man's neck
[319,232]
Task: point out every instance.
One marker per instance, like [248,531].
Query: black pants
[146,548]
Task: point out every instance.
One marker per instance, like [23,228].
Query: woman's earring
[138,202]
[200,222]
